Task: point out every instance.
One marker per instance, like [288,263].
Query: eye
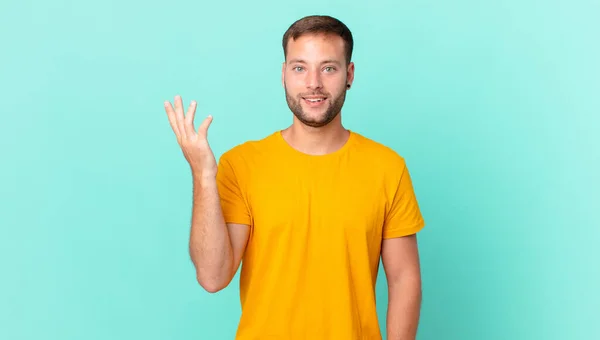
[329,69]
[297,68]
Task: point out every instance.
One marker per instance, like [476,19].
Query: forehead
[315,47]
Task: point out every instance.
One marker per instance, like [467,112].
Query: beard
[333,109]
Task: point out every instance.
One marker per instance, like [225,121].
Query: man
[310,209]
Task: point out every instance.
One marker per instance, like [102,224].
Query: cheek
[294,84]
[296,80]
[335,86]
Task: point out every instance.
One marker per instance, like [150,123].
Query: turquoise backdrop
[494,105]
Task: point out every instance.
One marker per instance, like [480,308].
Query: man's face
[315,75]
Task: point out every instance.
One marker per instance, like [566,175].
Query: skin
[315,65]
[216,248]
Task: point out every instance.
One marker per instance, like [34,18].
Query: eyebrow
[302,61]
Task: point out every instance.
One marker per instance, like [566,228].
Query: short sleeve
[232,199]
[404,216]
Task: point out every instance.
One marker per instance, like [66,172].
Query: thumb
[203,128]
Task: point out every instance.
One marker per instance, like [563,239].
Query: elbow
[211,286]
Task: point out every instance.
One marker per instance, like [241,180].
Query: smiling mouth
[314,100]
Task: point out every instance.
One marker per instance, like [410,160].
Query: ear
[350,73]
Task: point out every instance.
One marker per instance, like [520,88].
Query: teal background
[494,106]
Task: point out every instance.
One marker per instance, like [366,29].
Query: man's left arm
[400,260]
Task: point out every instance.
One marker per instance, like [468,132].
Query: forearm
[210,245]
[404,306]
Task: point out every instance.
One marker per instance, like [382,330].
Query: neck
[316,140]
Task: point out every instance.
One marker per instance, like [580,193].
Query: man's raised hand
[194,144]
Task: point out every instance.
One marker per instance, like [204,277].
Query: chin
[315,120]
[315,124]
[313,116]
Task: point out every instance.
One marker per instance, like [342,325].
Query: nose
[314,81]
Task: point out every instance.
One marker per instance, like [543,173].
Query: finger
[172,118]
[203,128]
[179,116]
[189,119]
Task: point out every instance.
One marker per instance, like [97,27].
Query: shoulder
[382,164]
[248,150]
[378,154]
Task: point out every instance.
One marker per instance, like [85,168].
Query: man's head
[318,69]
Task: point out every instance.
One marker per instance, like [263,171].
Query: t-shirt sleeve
[232,199]
[404,216]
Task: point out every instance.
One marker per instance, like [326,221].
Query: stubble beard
[333,110]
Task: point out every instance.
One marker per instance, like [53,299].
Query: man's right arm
[216,247]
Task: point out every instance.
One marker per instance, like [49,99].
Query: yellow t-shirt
[317,223]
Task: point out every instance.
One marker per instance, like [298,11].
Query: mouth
[314,101]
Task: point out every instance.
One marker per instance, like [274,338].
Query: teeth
[314,100]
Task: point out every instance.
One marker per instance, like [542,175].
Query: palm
[193,143]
